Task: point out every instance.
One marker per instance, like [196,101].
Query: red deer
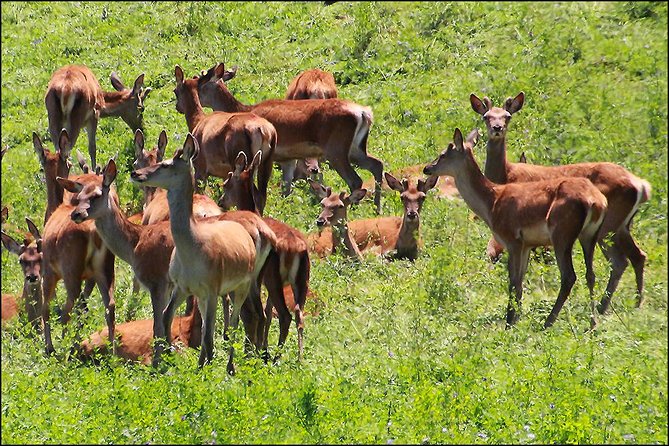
[54,165]
[333,129]
[30,258]
[553,212]
[135,337]
[623,190]
[445,187]
[211,258]
[288,266]
[222,136]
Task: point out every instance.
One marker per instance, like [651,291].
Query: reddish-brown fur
[10,307]
[334,129]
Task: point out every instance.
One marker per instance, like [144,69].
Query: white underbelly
[535,235]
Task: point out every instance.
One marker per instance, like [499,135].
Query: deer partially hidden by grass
[553,212]
[395,237]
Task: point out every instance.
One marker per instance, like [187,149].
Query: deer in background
[54,165]
[30,258]
[623,190]
[288,267]
[211,258]
[222,136]
[310,84]
[74,99]
[554,212]
[334,129]
[445,187]
[397,237]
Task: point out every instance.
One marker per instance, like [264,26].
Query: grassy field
[400,352]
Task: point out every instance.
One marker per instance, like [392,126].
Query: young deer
[30,258]
[310,84]
[334,129]
[74,99]
[623,190]
[135,337]
[211,258]
[287,267]
[553,212]
[222,136]
[397,236]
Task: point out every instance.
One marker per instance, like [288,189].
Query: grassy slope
[410,352]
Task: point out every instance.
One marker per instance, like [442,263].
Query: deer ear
[69,185]
[477,105]
[10,244]
[321,192]
[139,82]
[357,195]
[473,137]
[82,162]
[393,183]
[109,174]
[5,213]
[240,163]
[39,149]
[162,144]
[64,144]
[139,143]
[523,158]
[257,159]
[116,82]
[33,229]
[191,147]
[512,105]
[229,74]
[227,179]
[428,184]
[179,75]
[457,139]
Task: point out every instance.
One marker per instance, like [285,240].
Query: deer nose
[412,215]
[314,170]
[320,222]
[32,278]
[78,216]
[497,128]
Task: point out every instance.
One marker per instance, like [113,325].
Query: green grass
[400,352]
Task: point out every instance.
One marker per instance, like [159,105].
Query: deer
[222,135]
[554,212]
[74,99]
[445,187]
[56,164]
[135,337]
[211,258]
[30,258]
[334,129]
[288,267]
[392,237]
[624,191]
[310,84]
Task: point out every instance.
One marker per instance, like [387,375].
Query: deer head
[334,206]
[497,118]
[412,196]
[30,254]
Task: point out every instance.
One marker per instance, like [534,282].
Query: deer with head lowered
[30,258]
[395,237]
[211,257]
[334,129]
[74,99]
[623,190]
[221,136]
[554,212]
[288,264]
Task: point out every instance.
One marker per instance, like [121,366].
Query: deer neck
[496,165]
[54,198]
[120,236]
[476,190]
[193,109]
[32,292]
[223,100]
[180,202]
[407,239]
[341,239]
[114,101]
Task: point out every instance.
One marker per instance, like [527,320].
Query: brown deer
[310,84]
[135,337]
[74,99]
[623,190]
[222,136]
[445,187]
[211,258]
[333,129]
[30,258]
[287,267]
[54,165]
[553,212]
[396,237]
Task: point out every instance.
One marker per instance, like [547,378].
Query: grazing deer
[397,236]
[445,187]
[135,337]
[211,258]
[222,136]
[553,212]
[310,84]
[334,129]
[623,190]
[74,99]
[287,267]
[155,208]
[30,258]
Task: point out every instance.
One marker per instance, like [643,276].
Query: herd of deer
[186,246]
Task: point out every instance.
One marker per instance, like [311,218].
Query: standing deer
[222,136]
[54,165]
[74,99]
[211,258]
[30,258]
[334,129]
[623,190]
[287,267]
[553,212]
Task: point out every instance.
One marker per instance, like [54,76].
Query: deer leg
[91,130]
[105,282]
[208,323]
[176,298]
[55,115]
[588,243]
[375,166]
[618,263]
[49,281]
[517,267]
[300,288]
[264,176]
[563,255]
[494,250]
[89,284]
[73,289]
[32,298]
[623,239]
[240,295]
[345,170]
[287,174]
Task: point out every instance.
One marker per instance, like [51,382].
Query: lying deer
[288,266]
[30,258]
[554,212]
[624,192]
[221,136]
[74,99]
[334,129]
